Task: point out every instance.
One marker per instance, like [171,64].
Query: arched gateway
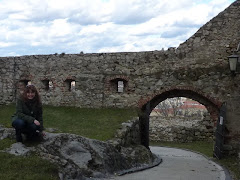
[148,104]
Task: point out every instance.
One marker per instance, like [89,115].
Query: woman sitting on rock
[28,117]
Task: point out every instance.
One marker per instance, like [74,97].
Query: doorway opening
[147,106]
[180,119]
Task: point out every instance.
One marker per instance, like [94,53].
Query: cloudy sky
[30,27]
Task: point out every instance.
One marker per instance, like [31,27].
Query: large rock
[78,157]
[18,149]
[6,132]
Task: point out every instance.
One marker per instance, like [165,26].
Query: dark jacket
[28,111]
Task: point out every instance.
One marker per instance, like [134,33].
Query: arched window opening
[119,85]
[25,82]
[70,84]
[48,85]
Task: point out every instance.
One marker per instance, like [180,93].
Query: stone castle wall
[198,66]
[200,62]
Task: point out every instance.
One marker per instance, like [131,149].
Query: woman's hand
[36,122]
[43,133]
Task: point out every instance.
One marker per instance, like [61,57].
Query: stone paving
[180,164]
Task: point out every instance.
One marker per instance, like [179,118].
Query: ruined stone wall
[145,73]
[198,65]
[7,90]
[181,129]
[128,134]
[200,62]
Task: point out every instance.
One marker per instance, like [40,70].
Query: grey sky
[30,27]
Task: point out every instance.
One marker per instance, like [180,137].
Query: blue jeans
[24,127]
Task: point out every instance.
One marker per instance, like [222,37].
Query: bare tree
[169,107]
[163,109]
[176,107]
[175,104]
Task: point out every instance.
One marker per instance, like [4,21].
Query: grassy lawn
[203,147]
[98,124]
[206,148]
[27,168]
[5,115]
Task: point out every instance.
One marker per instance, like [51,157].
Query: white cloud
[60,27]
[50,26]
[4,44]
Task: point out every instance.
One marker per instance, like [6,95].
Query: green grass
[206,148]
[6,143]
[232,164]
[30,167]
[5,114]
[98,124]
[203,147]
[27,168]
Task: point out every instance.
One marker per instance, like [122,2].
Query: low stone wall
[181,129]
[128,134]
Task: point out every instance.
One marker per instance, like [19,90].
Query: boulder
[78,157]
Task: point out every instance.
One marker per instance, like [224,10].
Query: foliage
[169,106]
[176,107]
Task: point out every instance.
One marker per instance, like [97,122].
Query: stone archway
[148,104]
